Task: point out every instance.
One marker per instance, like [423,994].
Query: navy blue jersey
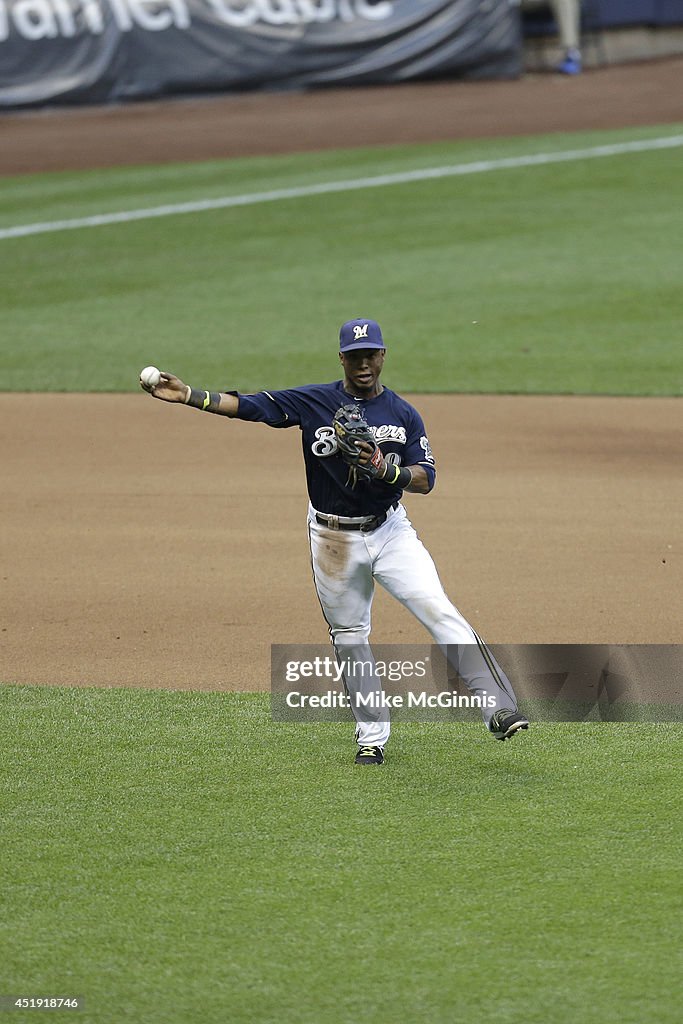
[398,429]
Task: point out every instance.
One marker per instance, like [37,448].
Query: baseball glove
[350,428]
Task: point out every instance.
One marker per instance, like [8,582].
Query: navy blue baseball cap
[360,333]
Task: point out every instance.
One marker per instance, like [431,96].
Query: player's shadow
[562,682]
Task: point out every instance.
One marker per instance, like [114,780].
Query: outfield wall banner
[92,51]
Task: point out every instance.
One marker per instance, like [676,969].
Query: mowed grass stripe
[64,195]
[178,857]
[554,278]
[326,188]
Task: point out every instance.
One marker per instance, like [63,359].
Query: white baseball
[150,376]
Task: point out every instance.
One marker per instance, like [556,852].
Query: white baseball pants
[345,565]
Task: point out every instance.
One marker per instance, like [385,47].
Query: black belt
[367,527]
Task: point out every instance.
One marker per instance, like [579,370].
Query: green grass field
[557,278]
[177,857]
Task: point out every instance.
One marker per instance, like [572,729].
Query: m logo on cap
[360,333]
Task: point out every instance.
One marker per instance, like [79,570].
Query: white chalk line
[352,185]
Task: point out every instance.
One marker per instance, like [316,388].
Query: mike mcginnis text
[379,701]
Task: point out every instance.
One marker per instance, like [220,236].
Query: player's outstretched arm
[172,389]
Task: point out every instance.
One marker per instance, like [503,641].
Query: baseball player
[363,446]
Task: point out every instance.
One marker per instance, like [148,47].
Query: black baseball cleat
[505,723]
[370,755]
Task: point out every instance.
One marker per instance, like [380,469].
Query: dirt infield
[129,557]
[131,560]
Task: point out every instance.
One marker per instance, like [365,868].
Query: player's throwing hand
[169,389]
